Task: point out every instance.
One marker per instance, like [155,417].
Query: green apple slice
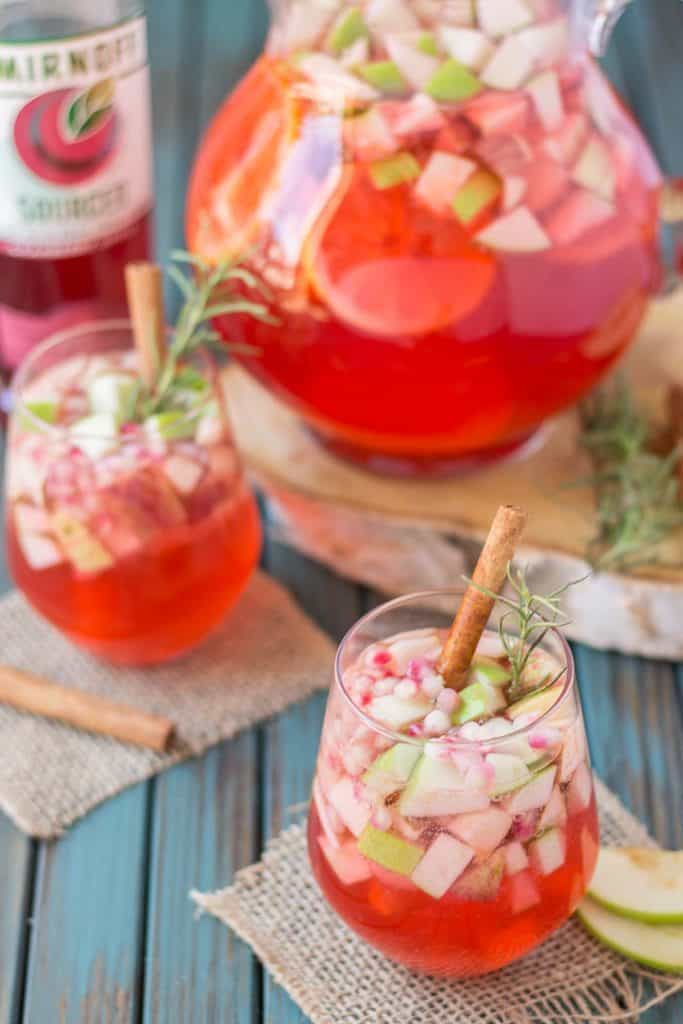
[659,946]
[490,671]
[478,700]
[437,788]
[114,394]
[389,851]
[349,26]
[392,769]
[395,171]
[44,411]
[646,885]
[452,82]
[478,193]
[385,76]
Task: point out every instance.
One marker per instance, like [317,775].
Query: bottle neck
[29,20]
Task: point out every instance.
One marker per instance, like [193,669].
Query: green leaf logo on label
[90,108]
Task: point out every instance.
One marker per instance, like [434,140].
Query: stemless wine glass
[452,854]
[133,539]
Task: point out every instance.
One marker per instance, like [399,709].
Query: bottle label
[75,141]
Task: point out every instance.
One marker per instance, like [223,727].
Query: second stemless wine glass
[456,854]
[133,539]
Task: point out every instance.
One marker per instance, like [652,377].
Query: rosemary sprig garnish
[533,615]
[637,489]
[208,292]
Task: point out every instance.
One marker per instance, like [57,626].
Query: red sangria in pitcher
[456,219]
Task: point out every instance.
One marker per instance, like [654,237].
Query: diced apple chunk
[524,892]
[416,67]
[351,808]
[405,650]
[563,145]
[369,136]
[441,179]
[389,851]
[334,85]
[482,830]
[348,864]
[385,16]
[452,82]
[515,857]
[518,231]
[467,45]
[595,170]
[580,789]
[482,880]
[498,19]
[183,473]
[548,852]
[580,212]
[555,812]
[397,712]
[514,188]
[546,42]
[81,547]
[499,113]
[510,773]
[40,551]
[417,115]
[545,93]
[509,67]
[357,53]
[547,182]
[438,788]
[442,865]
[534,794]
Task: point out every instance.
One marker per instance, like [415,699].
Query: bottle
[75,163]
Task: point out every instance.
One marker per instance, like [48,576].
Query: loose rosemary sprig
[208,292]
[533,615]
[637,489]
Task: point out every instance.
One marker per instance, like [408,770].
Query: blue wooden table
[97,928]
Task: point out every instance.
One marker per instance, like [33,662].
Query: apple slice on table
[643,884]
[658,946]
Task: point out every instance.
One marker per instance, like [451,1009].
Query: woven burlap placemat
[335,978]
[267,655]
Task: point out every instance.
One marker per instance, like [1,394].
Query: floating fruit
[396,170]
[384,75]
[349,26]
[442,865]
[518,231]
[441,179]
[498,19]
[400,287]
[466,45]
[509,67]
[478,195]
[452,82]
[437,787]
[478,700]
[547,853]
[389,851]
[546,96]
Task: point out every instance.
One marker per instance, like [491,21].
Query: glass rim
[446,740]
[53,341]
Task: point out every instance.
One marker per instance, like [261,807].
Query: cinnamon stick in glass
[476,607]
[146,307]
[26,692]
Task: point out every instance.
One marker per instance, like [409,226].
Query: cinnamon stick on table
[27,692]
[476,607]
[146,307]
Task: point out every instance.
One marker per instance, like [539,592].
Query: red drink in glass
[134,539]
[454,834]
[457,218]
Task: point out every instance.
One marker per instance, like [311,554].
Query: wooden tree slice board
[399,535]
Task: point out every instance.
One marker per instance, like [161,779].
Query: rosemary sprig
[637,489]
[533,615]
[208,292]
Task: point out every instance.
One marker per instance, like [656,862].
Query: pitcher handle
[602,19]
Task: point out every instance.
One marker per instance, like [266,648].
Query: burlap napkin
[267,655]
[336,979]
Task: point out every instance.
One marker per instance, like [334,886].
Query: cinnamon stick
[26,692]
[146,307]
[475,607]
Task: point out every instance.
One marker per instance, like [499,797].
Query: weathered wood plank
[17,854]
[88,913]
[634,723]
[204,828]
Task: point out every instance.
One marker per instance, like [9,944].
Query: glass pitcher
[456,219]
